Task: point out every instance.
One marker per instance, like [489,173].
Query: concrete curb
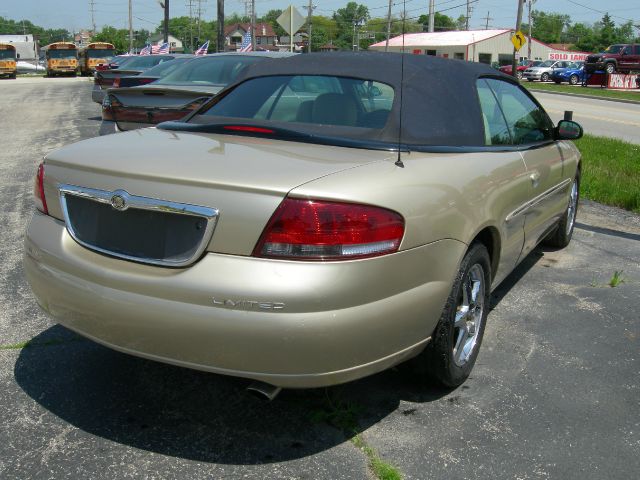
[592,97]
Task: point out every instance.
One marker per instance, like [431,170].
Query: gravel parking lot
[555,392]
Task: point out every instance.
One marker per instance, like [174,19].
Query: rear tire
[561,237]
[519,75]
[456,339]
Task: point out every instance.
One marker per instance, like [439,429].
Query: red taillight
[38,191]
[116,82]
[321,230]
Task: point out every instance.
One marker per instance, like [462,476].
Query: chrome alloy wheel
[469,314]
[571,210]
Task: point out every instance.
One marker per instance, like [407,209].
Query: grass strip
[381,469]
[343,415]
[610,171]
[591,91]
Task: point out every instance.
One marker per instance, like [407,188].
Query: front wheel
[573,79]
[561,237]
[456,340]
[519,75]
[544,77]
[610,68]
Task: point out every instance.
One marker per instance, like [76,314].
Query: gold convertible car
[323,218]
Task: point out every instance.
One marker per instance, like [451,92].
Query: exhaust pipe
[264,391]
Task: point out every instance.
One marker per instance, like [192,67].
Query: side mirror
[568,130]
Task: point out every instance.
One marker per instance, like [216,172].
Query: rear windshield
[166,67]
[144,61]
[220,70]
[308,99]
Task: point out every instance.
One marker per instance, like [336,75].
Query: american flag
[203,49]
[146,50]
[164,48]
[245,46]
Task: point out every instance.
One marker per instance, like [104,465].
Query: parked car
[177,93]
[135,65]
[543,71]
[149,76]
[574,74]
[114,63]
[520,68]
[623,58]
[309,225]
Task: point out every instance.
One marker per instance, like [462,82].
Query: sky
[147,14]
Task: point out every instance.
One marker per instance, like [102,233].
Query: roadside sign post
[291,21]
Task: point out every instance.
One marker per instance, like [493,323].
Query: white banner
[619,81]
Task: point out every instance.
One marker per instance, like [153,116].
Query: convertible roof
[439,98]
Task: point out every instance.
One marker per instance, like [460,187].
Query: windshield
[62,53]
[107,53]
[614,49]
[7,54]
[547,63]
[143,62]
[310,102]
[221,70]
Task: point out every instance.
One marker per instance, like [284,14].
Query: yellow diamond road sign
[518,40]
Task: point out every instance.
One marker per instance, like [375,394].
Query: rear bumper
[290,324]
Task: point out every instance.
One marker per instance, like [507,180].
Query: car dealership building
[485,46]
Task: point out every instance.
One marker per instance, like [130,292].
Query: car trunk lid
[244,179]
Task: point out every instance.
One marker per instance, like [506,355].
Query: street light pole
[530,4]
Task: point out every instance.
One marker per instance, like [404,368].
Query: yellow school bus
[8,60]
[62,57]
[94,54]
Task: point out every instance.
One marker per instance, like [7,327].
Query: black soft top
[439,97]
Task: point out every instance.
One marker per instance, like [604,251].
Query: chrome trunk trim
[122,200]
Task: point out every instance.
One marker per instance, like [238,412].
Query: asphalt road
[597,117]
[555,393]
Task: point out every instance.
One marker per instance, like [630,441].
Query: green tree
[348,19]
[549,27]
[441,22]
[271,18]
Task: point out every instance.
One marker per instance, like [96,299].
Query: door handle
[535,178]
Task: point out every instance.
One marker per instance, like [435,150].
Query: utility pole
[530,4]
[487,18]
[386,46]
[166,21]
[190,5]
[432,15]
[92,3]
[253,25]
[220,36]
[468,16]
[130,27]
[518,25]
[310,10]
